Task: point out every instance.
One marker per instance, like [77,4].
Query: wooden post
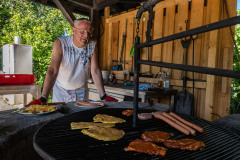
[157,33]
[180,26]
[105,63]
[212,57]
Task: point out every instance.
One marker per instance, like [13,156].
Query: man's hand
[38,101]
[108,98]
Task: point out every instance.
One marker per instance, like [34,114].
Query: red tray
[17,78]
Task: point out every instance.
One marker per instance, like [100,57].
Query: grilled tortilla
[39,109]
[107,119]
[105,134]
[82,125]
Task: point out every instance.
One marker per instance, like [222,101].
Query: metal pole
[136,79]
[195,31]
[206,70]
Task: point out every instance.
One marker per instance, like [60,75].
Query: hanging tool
[194,111]
[184,99]
[120,62]
[122,46]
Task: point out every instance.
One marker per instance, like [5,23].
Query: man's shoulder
[65,37]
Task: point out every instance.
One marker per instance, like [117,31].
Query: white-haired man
[71,60]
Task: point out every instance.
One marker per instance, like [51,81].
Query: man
[69,68]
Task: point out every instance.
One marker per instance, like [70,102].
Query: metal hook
[193,37]
[185,38]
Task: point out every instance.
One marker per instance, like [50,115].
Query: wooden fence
[212,49]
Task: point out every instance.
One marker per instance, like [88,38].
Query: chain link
[137,30]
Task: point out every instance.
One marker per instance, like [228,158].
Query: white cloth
[73,72]
[63,95]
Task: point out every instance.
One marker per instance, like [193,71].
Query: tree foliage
[235,95]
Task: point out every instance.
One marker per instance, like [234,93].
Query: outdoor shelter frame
[148,6]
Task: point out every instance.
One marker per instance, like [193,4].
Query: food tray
[16,79]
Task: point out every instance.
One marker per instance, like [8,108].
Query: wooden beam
[106,4]
[94,17]
[94,3]
[81,4]
[124,15]
[116,8]
[130,1]
[65,10]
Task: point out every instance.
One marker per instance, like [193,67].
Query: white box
[17,59]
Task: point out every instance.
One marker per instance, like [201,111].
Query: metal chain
[137,30]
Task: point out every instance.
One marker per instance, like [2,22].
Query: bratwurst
[159,115]
[193,132]
[199,129]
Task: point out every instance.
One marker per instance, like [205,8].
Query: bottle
[166,83]
[160,81]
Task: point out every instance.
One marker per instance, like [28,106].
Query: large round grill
[56,140]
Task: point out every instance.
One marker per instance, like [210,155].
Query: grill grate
[56,140]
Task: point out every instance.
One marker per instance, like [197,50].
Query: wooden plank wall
[212,49]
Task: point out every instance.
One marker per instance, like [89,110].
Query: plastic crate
[17,79]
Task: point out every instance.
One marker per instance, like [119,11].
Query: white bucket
[105,75]
[16,39]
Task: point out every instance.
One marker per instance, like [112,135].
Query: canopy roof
[84,7]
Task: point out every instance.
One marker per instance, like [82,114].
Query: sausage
[171,123]
[193,132]
[144,116]
[88,104]
[199,129]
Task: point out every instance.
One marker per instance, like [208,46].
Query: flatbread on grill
[82,125]
[105,134]
[107,119]
[39,109]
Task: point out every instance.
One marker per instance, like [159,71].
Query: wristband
[103,96]
[45,97]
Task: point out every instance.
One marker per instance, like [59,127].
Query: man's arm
[53,69]
[97,74]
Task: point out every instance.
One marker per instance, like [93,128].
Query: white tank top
[74,68]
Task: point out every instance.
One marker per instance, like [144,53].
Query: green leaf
[132,51]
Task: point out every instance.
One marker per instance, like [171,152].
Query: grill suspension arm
[147,6]
[136,76]
[213,71]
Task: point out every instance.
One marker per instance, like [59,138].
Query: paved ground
[5,106]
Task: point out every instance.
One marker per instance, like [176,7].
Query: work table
[120,92]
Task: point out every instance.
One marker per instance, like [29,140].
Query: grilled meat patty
[156,136]
[185,144]
[142,146]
